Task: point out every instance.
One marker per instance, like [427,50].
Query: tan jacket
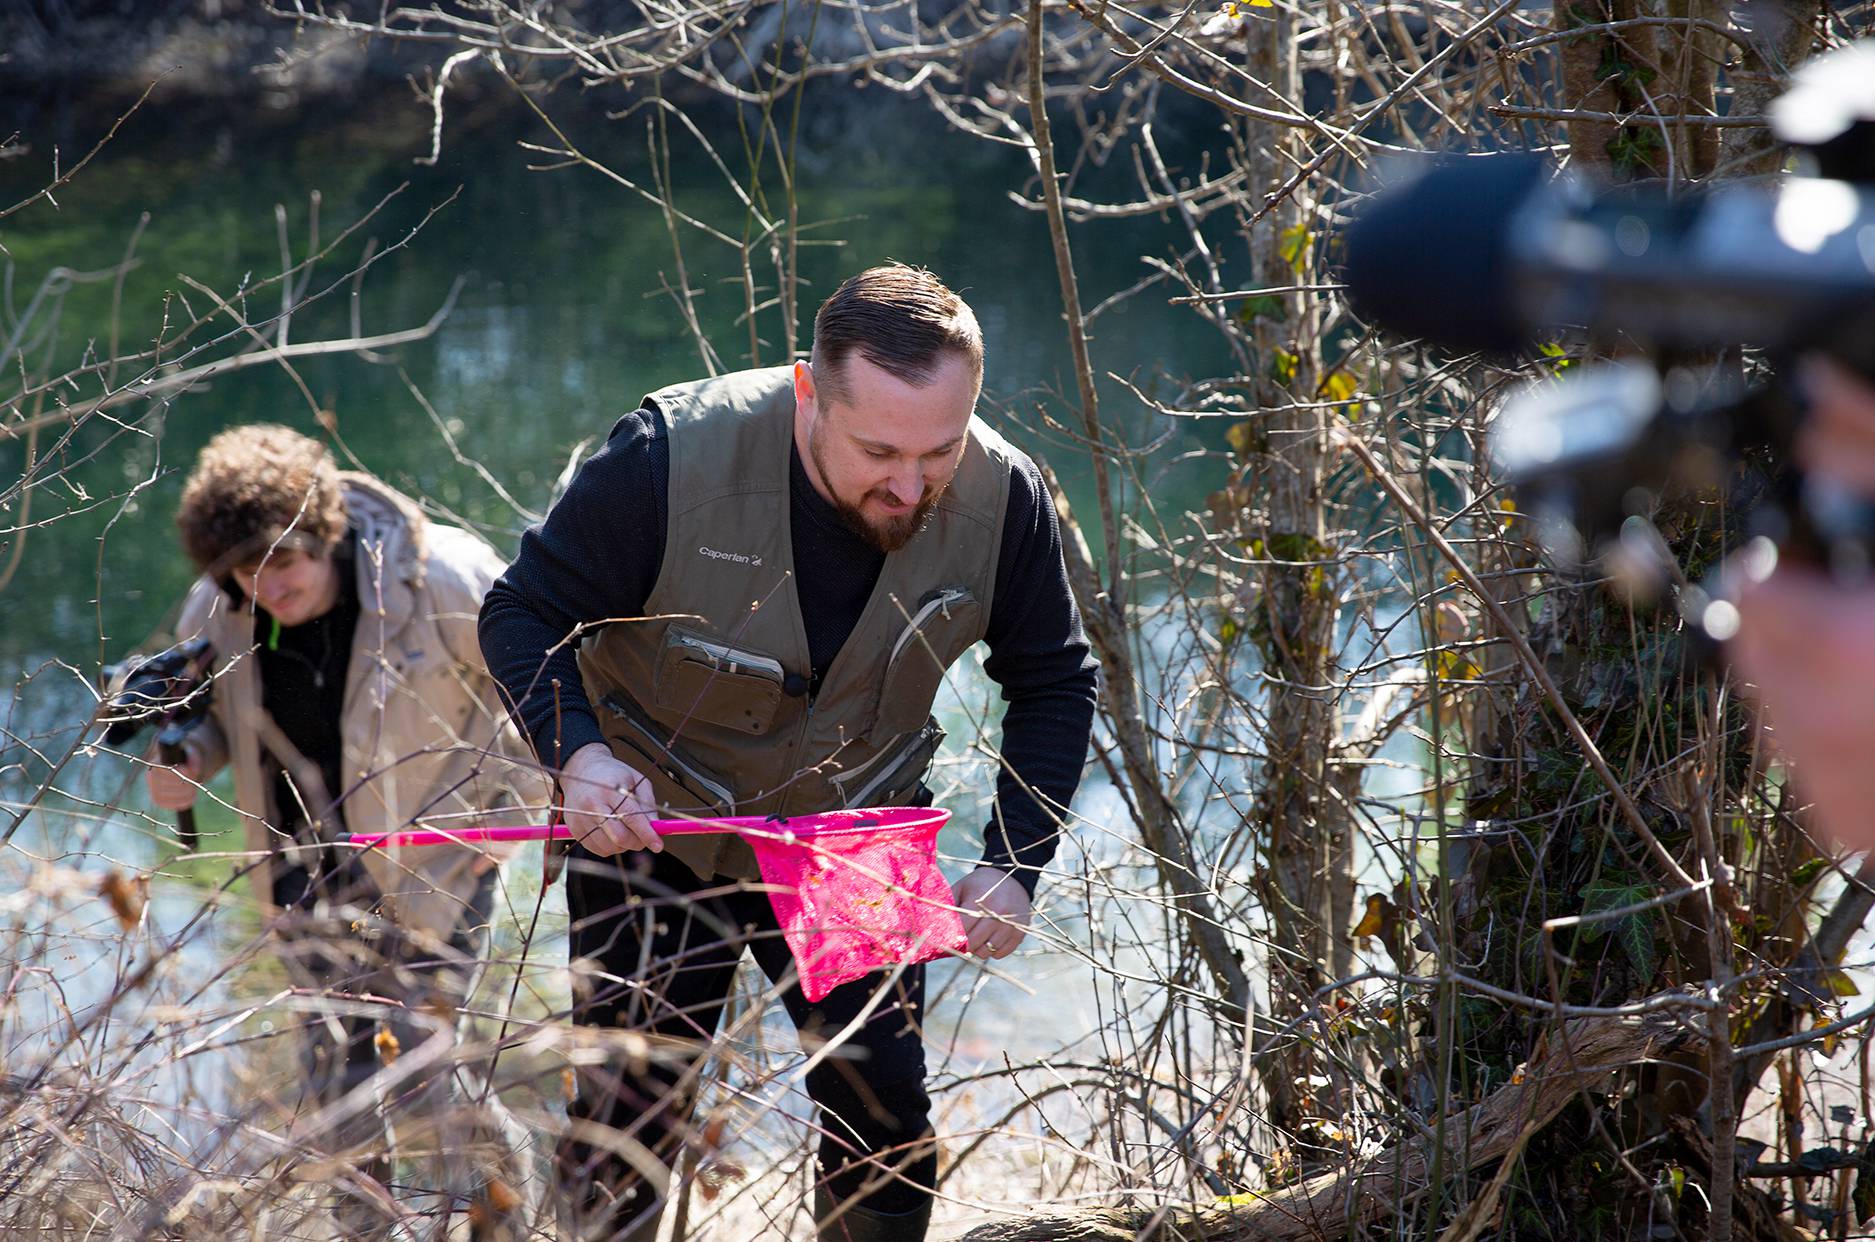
[425,738]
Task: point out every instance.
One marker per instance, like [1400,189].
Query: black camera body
[171,690]
[1486,254]
[1495,255]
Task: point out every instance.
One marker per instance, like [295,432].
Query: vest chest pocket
[703,678]
[945,624]
[894,775]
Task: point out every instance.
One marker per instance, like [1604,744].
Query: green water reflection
[563,320]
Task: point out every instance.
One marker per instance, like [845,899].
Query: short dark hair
[256,486]
[901,319]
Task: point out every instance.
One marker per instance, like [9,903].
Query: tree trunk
[1779,38]
[1307,885]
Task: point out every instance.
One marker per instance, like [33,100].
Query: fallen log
[1331,1205]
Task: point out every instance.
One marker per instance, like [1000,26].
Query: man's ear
[806,403]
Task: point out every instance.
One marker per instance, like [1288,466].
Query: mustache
[925,497]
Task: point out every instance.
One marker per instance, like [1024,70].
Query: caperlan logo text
[740,558]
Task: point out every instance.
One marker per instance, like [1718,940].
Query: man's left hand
[996,912]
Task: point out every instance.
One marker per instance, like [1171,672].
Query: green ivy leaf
[1634,148]
[1637,941]
[1283,367]
[1613,68]
[1267,306]
[1293,245]
[1635,932]
[1808,871]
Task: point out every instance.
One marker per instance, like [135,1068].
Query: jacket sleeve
[207,743]
[1040,657]
[460,569]
[595,556]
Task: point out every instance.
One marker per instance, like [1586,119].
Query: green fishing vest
[707,694]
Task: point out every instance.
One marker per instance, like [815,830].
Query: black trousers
[666,946]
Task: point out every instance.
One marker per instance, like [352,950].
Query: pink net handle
[757,827]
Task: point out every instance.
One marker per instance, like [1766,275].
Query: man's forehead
[858,373]
[877,408]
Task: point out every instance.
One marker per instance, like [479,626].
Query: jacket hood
[393,541]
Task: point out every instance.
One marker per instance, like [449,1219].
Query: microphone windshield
[1431,258]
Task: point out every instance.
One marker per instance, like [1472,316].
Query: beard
[887,534]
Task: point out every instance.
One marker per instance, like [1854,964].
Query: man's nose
[907,485]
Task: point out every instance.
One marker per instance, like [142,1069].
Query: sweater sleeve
[1049,678]
[594,559]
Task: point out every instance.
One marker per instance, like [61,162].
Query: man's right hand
[1803,646]
[1838,439]
[1803,642]
[174,788]
[608,804]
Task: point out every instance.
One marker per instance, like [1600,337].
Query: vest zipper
[730,659]
[885,770]
[942,601]
[675,769]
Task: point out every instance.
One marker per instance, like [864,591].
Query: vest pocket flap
[703,678]
[942,627]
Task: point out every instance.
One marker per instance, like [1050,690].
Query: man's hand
[1838,438]
[608,804]
[1808,648]
[174,788]
[996,912]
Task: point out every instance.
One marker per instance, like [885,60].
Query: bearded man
[745,603]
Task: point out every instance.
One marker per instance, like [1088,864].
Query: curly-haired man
[351,696]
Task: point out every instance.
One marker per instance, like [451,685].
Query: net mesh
[859,893]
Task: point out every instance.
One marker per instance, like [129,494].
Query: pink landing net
[854,891]
[858,891]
